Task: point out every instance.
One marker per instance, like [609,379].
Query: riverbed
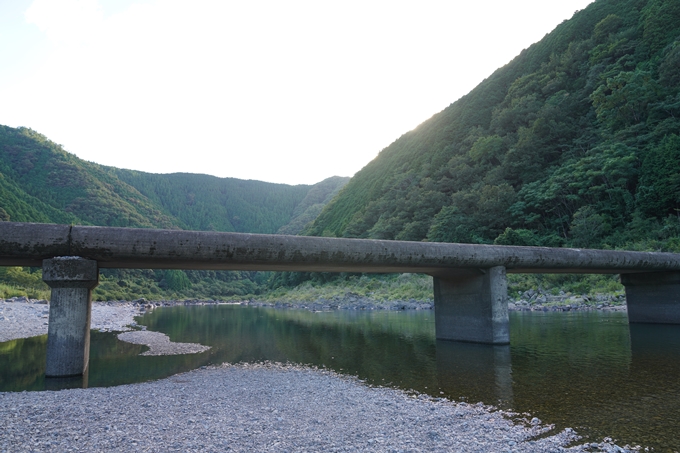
[571,370]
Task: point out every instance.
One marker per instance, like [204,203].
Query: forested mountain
[203,202]
[64,189]
[575,142]
[40,182]
[313,203]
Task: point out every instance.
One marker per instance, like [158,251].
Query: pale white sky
[287,91]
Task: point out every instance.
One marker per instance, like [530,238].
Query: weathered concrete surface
[473,307]
[68,334]
[653,297]
[166,249]
[27,244]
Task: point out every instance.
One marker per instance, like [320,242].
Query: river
[590,371]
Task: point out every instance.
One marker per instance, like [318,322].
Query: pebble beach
[251,407]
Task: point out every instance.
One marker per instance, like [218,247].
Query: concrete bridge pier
[653,297]
[472,307]
[71,279]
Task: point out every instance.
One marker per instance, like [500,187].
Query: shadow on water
[589,371]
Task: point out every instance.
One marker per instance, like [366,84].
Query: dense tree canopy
[575,142]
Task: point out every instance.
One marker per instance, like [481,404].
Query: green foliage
[379,288]
[588,285]
[177,280]
[132,284]
[658,193]
[202,202]
[40,182]
[659,23]
[574,142]
[20,281]
[518,237]
[309,208]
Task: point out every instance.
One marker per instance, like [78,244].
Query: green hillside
[575,142]
[313,203]
[61,188]
[40,182]
[202,202]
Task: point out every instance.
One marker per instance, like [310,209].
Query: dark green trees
[574,142]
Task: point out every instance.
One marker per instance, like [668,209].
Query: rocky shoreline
[251,407]
[532,300]
[268,407]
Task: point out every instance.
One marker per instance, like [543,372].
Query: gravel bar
[160,344]
[263,407]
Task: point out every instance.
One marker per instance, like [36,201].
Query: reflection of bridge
[470,286]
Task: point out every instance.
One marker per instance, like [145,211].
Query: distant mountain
[202,202]
[575,142]
[40,182]
[311,206]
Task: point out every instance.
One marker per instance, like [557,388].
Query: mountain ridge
[564,145]
[40,182]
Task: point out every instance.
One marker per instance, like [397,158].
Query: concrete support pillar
[68,335]
[653,297]
[473,307]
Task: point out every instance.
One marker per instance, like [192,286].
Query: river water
[590,371]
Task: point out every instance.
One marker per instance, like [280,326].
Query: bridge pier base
[472,307]
[653,297]
[71,279]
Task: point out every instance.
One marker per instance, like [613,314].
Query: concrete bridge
[470,285]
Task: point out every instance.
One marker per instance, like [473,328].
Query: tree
[177,280]
[658,193]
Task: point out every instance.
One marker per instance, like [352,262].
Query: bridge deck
[26,244]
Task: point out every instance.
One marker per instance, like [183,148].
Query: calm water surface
[588,371]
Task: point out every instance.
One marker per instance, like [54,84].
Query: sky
[290,91]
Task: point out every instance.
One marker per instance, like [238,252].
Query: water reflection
[475,372]
[588,371]
[71,382]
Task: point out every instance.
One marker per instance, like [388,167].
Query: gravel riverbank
[160,344]
[256,407]
[263,407]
